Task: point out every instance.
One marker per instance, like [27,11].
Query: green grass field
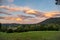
[33,35]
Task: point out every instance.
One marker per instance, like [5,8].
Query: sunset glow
[18,19]
[27,11]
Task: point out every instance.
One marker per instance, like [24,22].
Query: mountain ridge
[55,20]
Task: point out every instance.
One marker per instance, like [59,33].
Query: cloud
[5,13]
[19,18]
[12,18]
[13,8]
[51,14]
[17,8]
[23,9]
[1,17]
[39,16]
[24,17]
[30,11]
[34,12]
[42,14]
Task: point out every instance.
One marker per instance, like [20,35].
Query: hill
[51,20]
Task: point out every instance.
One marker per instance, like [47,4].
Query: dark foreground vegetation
[30,27]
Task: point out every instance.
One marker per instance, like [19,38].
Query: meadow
[32,35]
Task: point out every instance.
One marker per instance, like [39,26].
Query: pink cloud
[39,16]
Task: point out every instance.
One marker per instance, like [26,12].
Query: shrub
[9,31]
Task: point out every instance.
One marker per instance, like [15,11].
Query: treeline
[30,27]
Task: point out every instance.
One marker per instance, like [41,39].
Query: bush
[9,31]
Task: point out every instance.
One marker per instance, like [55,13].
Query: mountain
[51,20]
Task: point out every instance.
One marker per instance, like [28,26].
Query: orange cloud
[12,18]
[51,14]
[18,19]
[24,9]
[4,6]
[30,11]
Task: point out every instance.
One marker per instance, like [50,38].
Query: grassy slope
[39,35]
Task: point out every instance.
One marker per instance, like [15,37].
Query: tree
[10,31]
[0,26]
[57,2]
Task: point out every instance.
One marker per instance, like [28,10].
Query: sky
[27,11]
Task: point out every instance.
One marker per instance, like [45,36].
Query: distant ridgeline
[52,24]
[51,20]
